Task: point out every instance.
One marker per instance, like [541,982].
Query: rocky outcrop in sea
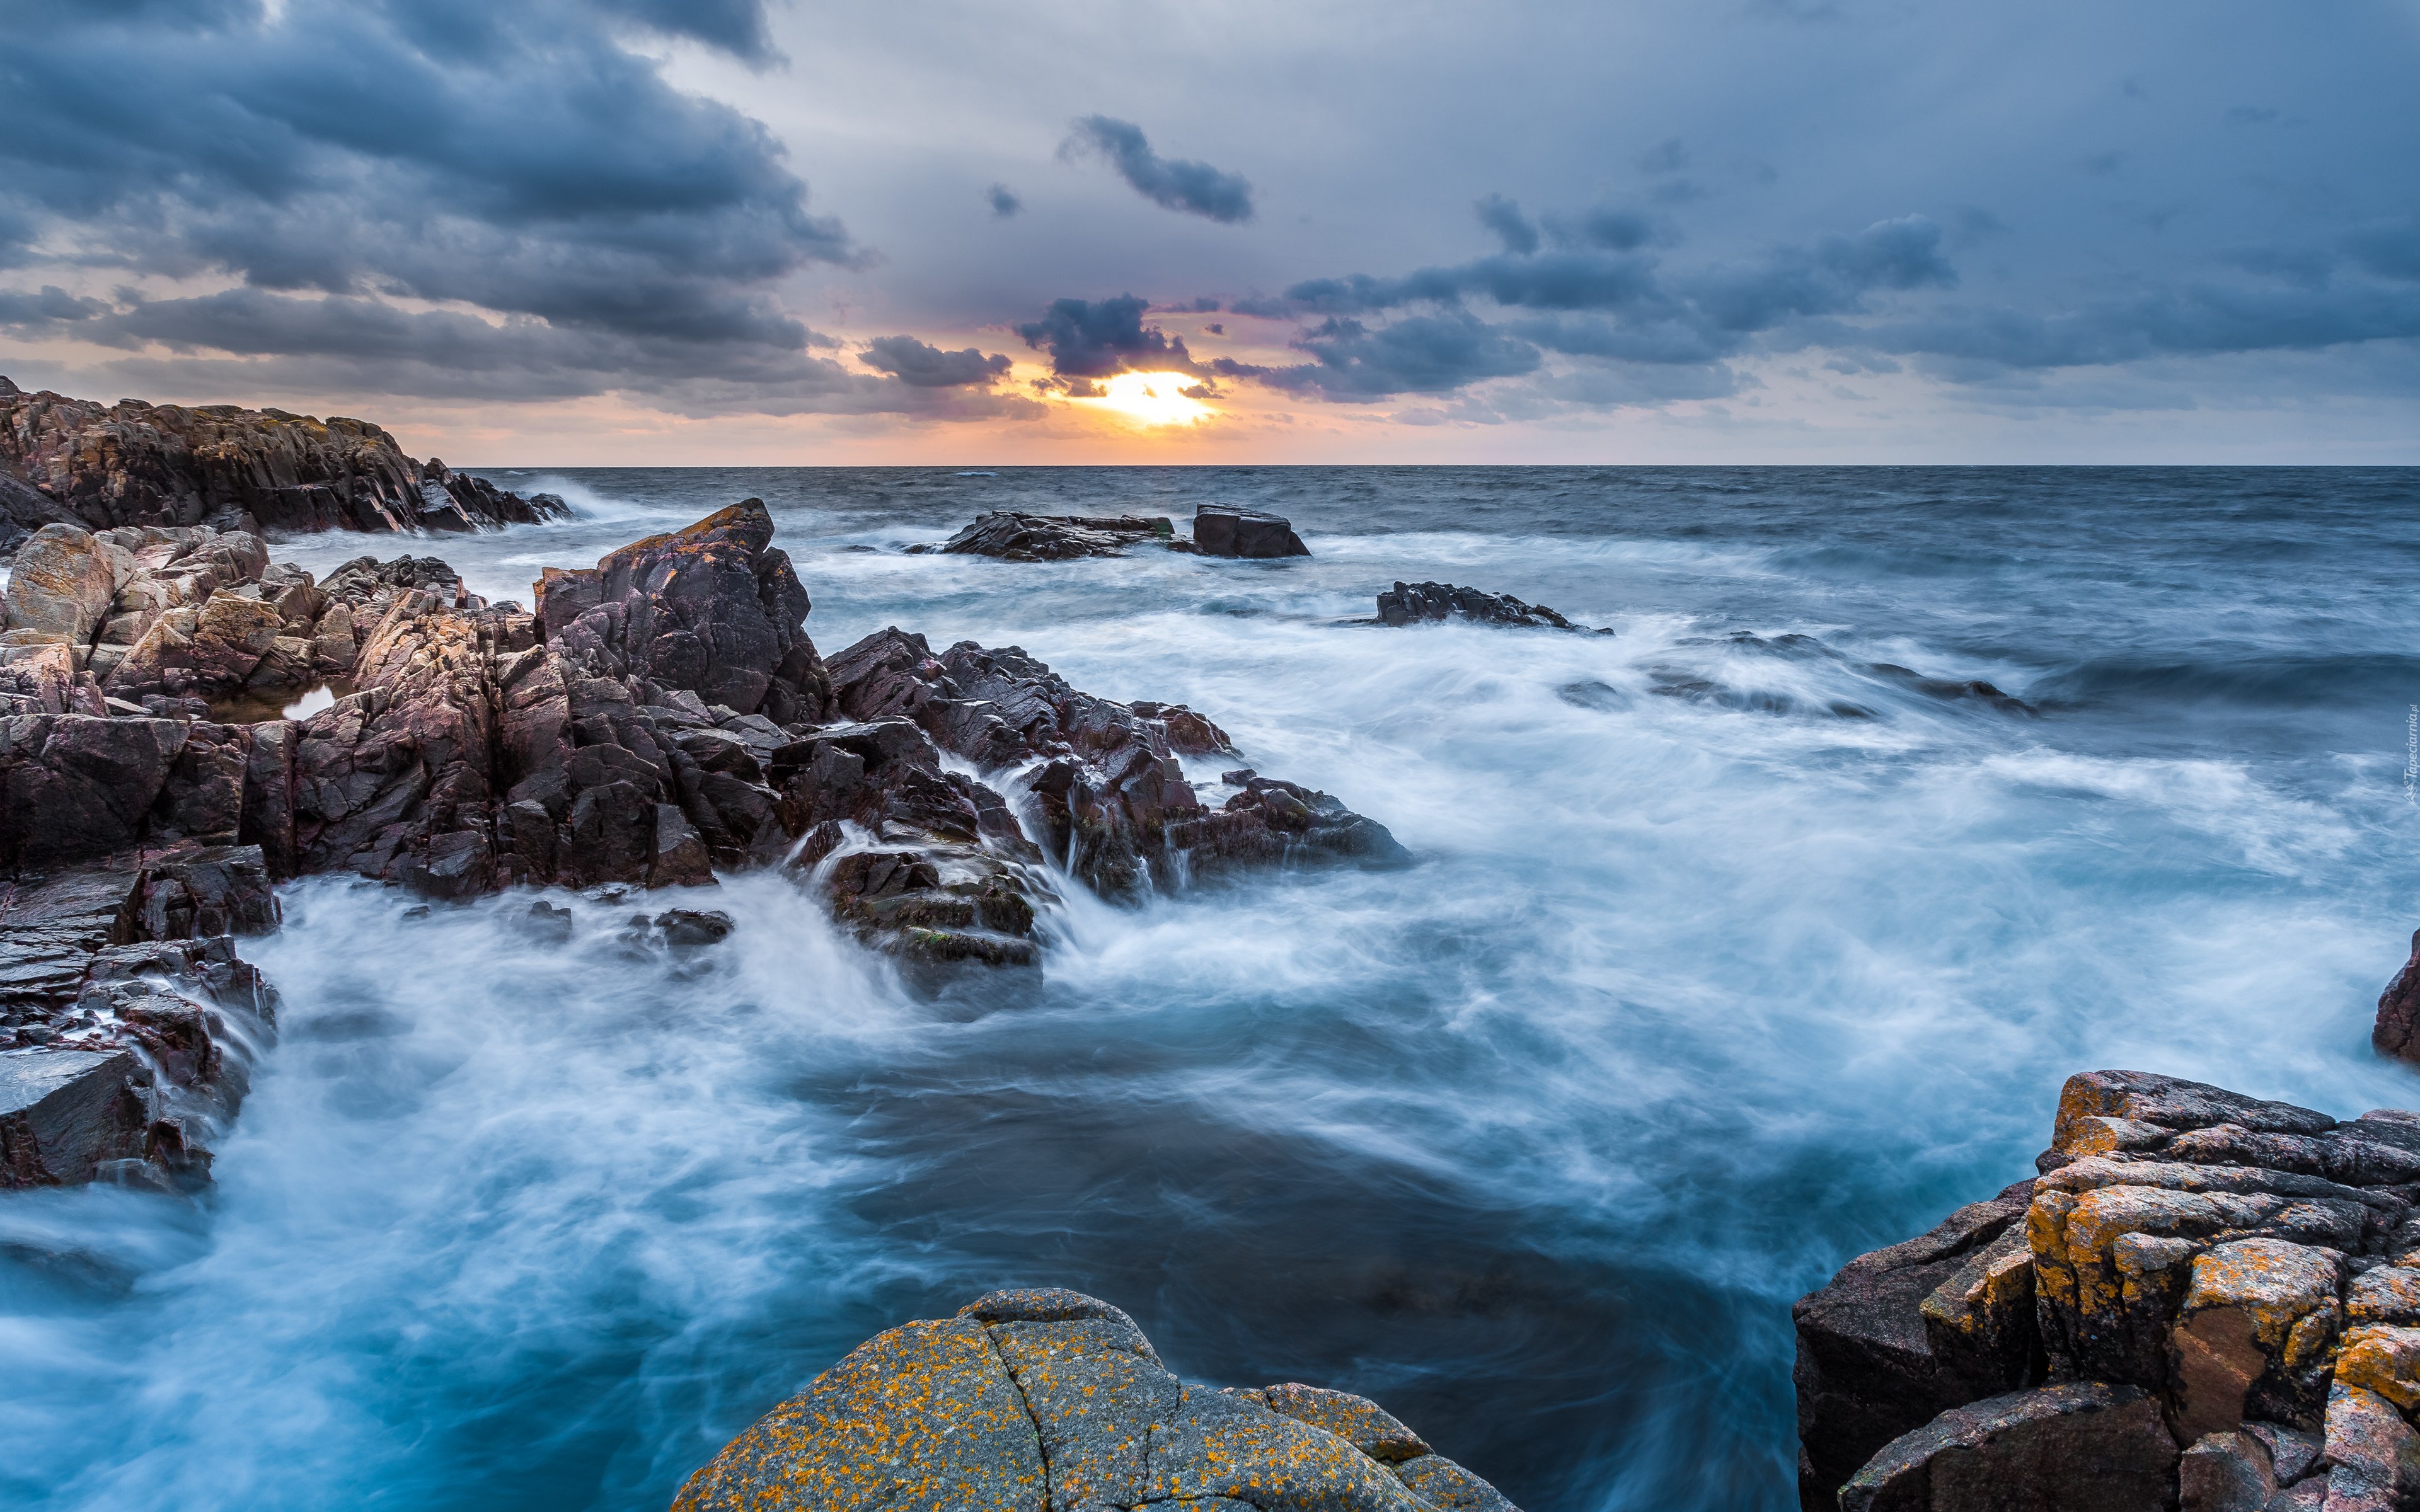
[97,467]
[1052,1401]
[1011,537]
[1436,603]
[2204,1301]
[653,719]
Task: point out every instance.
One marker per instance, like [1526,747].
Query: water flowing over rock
[1052,1401]
[1220,530]
[1411,603]
[655,717]
[1012,536]
[96,466]
[2199,1290]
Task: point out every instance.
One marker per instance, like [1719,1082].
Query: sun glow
[1151,399]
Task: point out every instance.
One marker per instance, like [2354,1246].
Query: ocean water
[1728,957]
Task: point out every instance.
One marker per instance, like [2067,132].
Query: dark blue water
[1730,956]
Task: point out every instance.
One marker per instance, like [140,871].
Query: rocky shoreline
[99,467]
[651,721]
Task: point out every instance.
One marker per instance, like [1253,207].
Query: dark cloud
[1094,339]
[525,159]
[1419,354]
[1512,228]
[1831,278]
[354,345]
[918,365]
[1003,204]
[1195,188]
[2198,320]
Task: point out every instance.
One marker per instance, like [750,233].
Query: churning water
[1727,958]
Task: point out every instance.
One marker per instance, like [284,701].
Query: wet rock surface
[652,720]
[1011,537]
[98,466]
[1435,603]
[1052,1401]
[2248,1271]
[1219,530]
[2397,1032]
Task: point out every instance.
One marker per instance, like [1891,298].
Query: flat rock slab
[1222,532]
[1048,1400]
[63,1112]
[2076,1448]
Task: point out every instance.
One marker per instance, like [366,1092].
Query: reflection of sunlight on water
[323,697]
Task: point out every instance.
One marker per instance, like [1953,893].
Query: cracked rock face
[1052,1401]
[2247,1270]
[131,463]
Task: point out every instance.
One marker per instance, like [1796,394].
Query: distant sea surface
[1729,956]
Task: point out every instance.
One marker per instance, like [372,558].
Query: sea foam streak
[1703,986]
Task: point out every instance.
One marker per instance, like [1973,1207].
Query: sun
[1151,399]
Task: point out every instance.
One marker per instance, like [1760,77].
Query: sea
[1756,934]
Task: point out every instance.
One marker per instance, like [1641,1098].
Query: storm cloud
[922,366]
[1176,184]
[525,161]
[1099,338]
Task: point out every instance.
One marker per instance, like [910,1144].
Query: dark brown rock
[1019,537]
[1219,530]
[1879,1356]
[2397,1031]
[2072,1448]
[133,463]
[66,1112]
[1415,603]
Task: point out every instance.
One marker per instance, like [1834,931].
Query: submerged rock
[1053,1402]
[1222,531]
[96,466]
[1012,536]
[1412,603]
[2249,1268]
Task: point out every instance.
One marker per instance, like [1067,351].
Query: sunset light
[1151,399]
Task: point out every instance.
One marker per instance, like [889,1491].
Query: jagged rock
[1906,1333]
[713,609]
[2070,1448]
[2397,1032]
[1220,530]
[1110,792]
[1052,1401]
[64,1113]
[2239,1261]
[134,463]
[1011,537]
[1411,603]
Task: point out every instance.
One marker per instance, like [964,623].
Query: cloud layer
[1176,184]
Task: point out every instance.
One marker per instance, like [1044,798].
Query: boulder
[1052,1401]
[62,581]
[64,1113]
[1011,537]
[1222,531]
[2072,1448]
[2235,1260]
[2374,1454]
[2398,1030]
[1415,603]
[1904,1334]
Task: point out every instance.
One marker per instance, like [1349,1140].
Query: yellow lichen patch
[2385,1360]
[2275,1283]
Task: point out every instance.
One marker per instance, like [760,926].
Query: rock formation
[1219,530]
[657,717]
[78,462]
[2397,1032]
[2203,1296]
[1017,537]
[1411,603]
[1052,1401]
[127,1025]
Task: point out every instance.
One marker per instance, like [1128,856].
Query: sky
[563,232]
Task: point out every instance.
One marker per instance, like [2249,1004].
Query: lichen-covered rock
[2066,1448]
[2239,1261]
[62,581]
[1052,1401]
